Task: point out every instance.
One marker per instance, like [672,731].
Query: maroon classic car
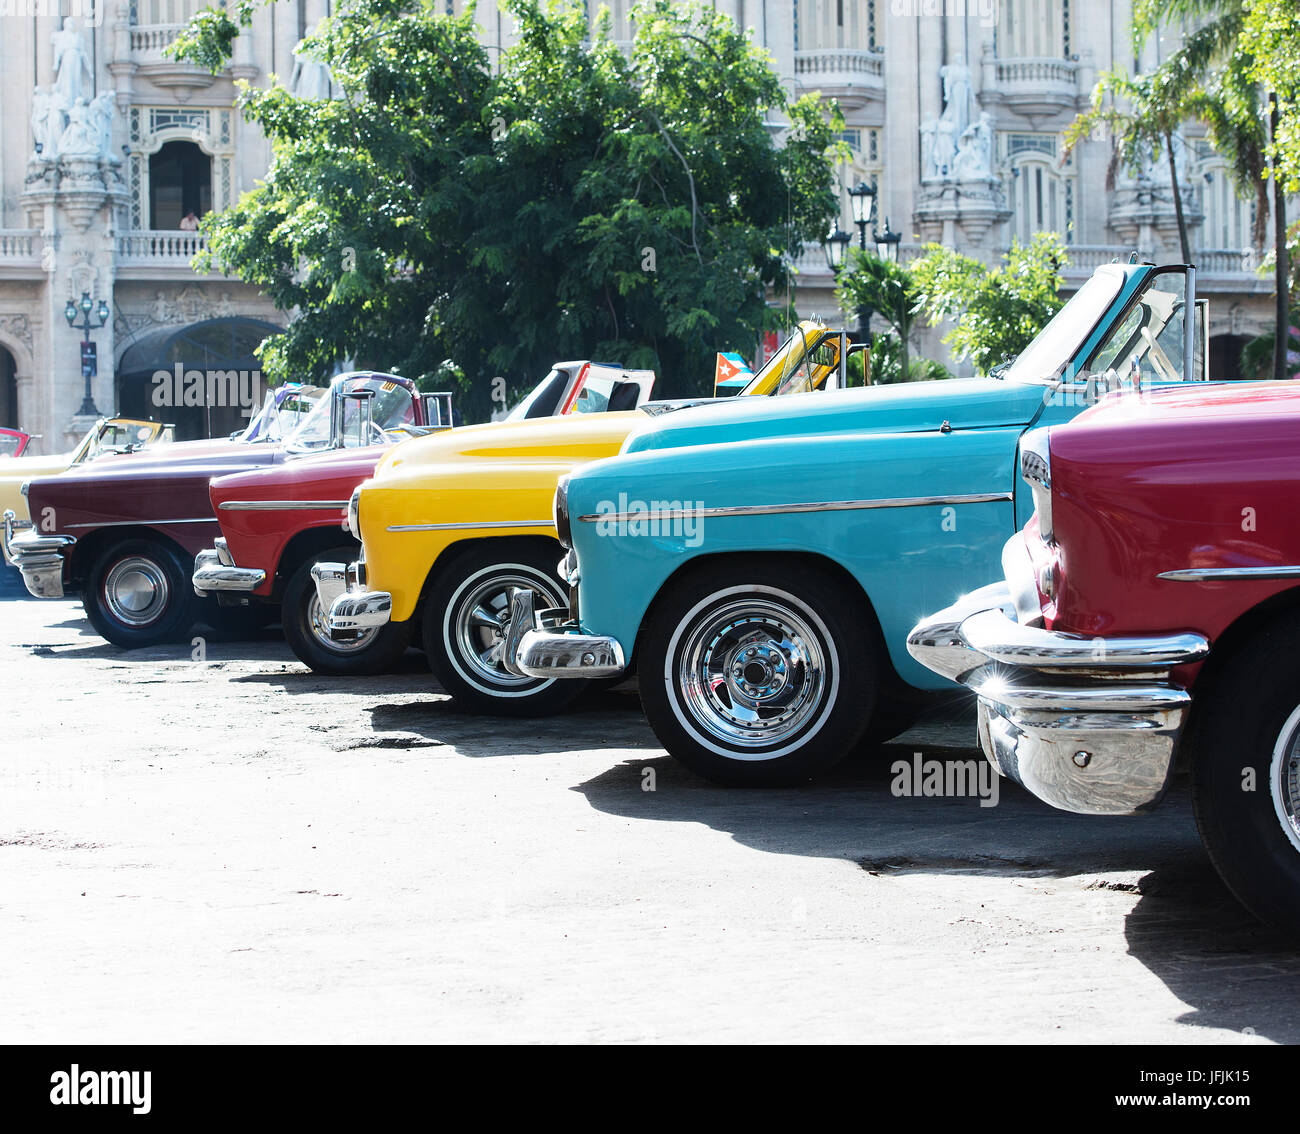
[1149,619]
[277,523]
[124,533]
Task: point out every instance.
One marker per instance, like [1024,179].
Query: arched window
[180,183]
[1034,29]
[823,25]
[1039,191]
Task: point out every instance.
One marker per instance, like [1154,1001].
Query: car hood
[908,407]
[573,436]
[302,474]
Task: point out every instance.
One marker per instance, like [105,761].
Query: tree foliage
[998,310]
[455,214]
[870,281]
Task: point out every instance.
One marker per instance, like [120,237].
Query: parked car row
[763,564]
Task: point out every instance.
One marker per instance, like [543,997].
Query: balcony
[156,254]
[853,77]
[20,253]
[148,43]
[1034,88]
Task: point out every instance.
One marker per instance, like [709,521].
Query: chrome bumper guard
[215,572]
[546,644]
[1087,724]
[12,525]
[341,591]
[39,557]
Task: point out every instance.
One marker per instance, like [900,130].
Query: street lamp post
[89,361]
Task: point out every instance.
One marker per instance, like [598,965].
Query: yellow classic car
[453,525]
[108,435]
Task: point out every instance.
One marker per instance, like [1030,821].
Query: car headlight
[24,488]
[354,514]
[1036,469]
[560,512]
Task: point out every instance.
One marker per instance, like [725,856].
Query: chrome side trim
[471,524]
[281,505]
[1230,574]
[144,523]
[792,509]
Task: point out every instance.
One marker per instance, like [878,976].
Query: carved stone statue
[80,138]
[43,136]
[101,119]
[975,150]
[310,79]
[940,138]
[71,64]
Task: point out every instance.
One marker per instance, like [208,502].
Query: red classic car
[125,531]
[13,442]
[277,523]
[1149,618]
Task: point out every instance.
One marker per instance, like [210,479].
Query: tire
[815,694]
[1244,748]
[367,652]
[464,648]
[138,593]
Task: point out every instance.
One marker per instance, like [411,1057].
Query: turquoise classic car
[761,566]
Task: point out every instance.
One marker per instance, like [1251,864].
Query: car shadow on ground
[596,722]
[1186,928]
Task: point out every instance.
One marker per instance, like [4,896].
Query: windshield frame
[1113,275]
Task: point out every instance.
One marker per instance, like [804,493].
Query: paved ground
[235,850]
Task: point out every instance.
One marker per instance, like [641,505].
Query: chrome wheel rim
[479,618]
[316,621]
[753,673]
[136,591]
[1284,779]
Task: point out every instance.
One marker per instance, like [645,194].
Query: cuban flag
[731,375]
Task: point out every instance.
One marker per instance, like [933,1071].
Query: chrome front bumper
[215,573]
[1086,724]
[39,557]
[341,591]
[545,643]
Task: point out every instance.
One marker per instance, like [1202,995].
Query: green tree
[1143,114]
[566,201]
[998,310]
[870,281]
[1215,75]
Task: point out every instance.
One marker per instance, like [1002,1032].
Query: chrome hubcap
[480,618]
[136,591]
[1284,777]
[316,619]
[752,672]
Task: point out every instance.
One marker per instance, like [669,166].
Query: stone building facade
[954,108]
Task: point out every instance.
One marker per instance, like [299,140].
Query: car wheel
[466,615]
[1245,762]
[138,593]
[751,681]
[364,652]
